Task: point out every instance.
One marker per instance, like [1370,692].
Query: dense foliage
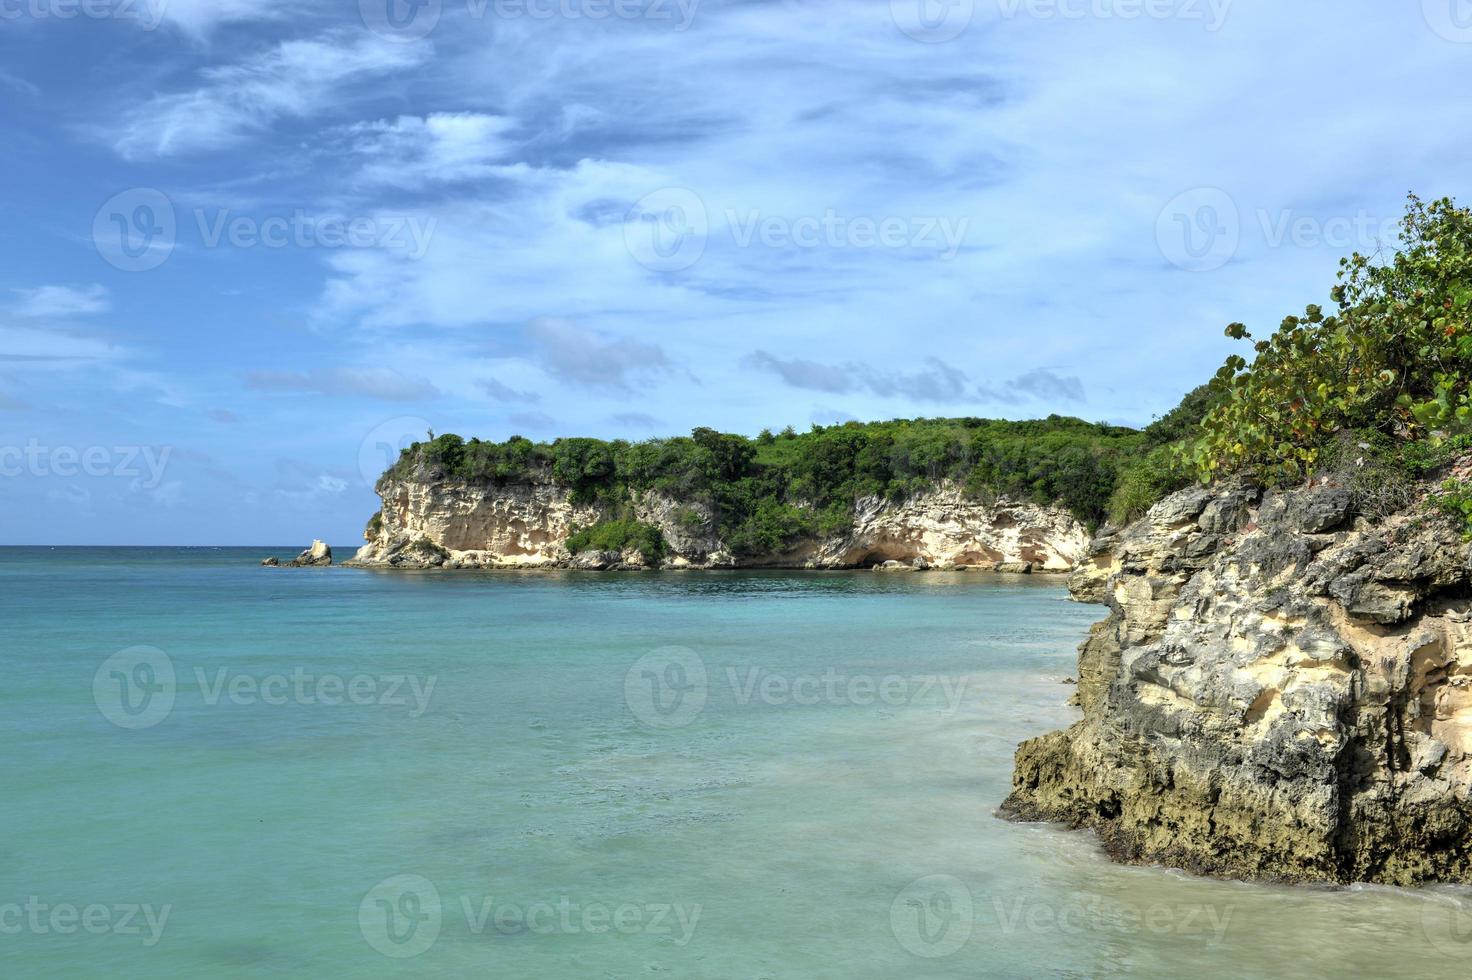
[618,535]
[1395,358]
[766,493]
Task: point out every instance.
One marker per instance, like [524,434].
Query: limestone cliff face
[944,527]
[445,523]
[1280,690]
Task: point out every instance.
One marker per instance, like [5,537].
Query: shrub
[618,536]
[1456,499]
[1396,357]
[1143,483]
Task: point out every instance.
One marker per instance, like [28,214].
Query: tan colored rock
[1277,692]
[525,525]
[318,553]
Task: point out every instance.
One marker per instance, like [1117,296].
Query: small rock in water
[273,561]
[318,554]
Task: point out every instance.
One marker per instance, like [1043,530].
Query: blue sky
[251,245]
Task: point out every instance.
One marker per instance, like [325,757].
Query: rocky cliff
[453,524]
[1280,690]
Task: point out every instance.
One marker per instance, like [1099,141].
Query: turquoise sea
[214,769]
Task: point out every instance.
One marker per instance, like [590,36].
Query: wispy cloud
[413,151]
[1043,385]
[505,393]
[384,384]
[27,346]
[15,82]
[936,382]
[537,421]
[635,420]
[573,354]
[62,301]
[199,17]
[297,78]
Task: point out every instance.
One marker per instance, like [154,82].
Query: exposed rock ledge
[448,524]
[1279,691]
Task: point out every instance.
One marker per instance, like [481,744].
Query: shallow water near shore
[217,769]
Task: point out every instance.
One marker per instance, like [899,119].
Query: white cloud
[384,384]
[200,17]
[26,346]
[62,301]
[294,79]
[585,357]
[442,147]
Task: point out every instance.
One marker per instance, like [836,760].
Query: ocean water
[214,769]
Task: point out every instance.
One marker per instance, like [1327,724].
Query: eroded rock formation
[1280,690]
[445,523]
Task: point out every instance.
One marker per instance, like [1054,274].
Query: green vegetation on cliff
[769,492]
[1392,363]
[618,535]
